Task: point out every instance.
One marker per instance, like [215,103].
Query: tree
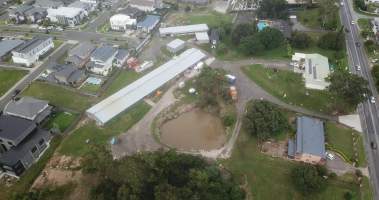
[251,45]
[264,120]
[329,14]
[308,179]
[370,46]
[375,74]
[361,4]
[276,9]
[300,40]
[241,31]
[350,87]
[332,40]
[96,160]
[271,38]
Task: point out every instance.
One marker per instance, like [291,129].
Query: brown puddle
[194,130]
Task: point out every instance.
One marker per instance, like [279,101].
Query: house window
[34,149]
[10,143]
[41,142]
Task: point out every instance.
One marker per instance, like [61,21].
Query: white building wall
[32,56]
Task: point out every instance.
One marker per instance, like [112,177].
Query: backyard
[76,143]
[8,78]
[340,138]
[122,79]
[61,120]
[265,174]
[58,96]
[289,87]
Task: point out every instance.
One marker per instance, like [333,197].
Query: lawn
[8,78]
[341,138]
[61,120]
[123,78]
[211,18]
[364,24]
[58,96]
[269,178]
[75,144]
[90,88]
[289,87]
[309,18]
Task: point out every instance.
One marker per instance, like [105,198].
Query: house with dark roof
[48,3]
[309,144]
[24,13]
[149,23]
[29,52]
[6,46]
[121,57]
[70,75]
[101,60]
[28,108]
[80,54]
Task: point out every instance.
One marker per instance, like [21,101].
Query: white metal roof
[68,12]
[129,95]
[122,20]
[175,43]
[184,29]
[202,36]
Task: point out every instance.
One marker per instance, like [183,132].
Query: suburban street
[368,111]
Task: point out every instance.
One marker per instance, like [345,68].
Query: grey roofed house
[21,157]
[31,44]
[103,53]
[79,4]
[149,23]
[122,54]
[310,137]
[83,50]
[28,108]
[74,60]
[15,129]
[132,12]
[69,75]
[20,9]
[7,46]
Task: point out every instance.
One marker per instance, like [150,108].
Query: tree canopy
[350,87]
[164,176]
[308,179]
[267,39]
[300,40]
[332,40]
[275,9]
[241,31]
[264,120]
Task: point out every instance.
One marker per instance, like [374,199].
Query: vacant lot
[58,96]
[122,79]
[341,138]
[61,120]
[290,87]
[212,18]
[269,178]
[8,78]
[76,143]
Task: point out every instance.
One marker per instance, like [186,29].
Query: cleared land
[8,78]
[122,79]
[341,138]
[76,145]
[61,120]
[290,87]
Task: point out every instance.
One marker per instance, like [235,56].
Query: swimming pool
[261,25]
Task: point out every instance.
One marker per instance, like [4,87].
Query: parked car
[373,145]
[352,22]
[358,68]
[329,156]
[357,44]
[372,99]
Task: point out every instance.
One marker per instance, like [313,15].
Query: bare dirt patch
[275,149]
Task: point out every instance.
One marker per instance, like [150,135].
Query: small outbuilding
[202,37]
[176,45]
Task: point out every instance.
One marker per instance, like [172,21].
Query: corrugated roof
[175,43]
[184,29]
[310,137]
[202,36]
[149,22]
[126,97]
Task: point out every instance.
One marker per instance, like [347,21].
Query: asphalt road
[368,111]
[33,74]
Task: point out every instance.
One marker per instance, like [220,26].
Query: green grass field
[90,88]
[58,96]
[61,120]
[8,78]
[309,18]
[123,78]
[269,178]
[75,144]
[289,87]
[364,24]
[341,138]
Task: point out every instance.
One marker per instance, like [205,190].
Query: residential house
[29,108]
[314,68]
[93,2]
[27,13]
[121,22]
[70,75]
[6,46]
[133,13]
[67,16]
[149,23]
[101,60]
[30,51]
[309,144]
[80,54]
[36,15]
[195,2]
[21,142]
[121,57]
[146,5]
[88,7]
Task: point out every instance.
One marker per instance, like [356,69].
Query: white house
[66,15]
[29,52]
[101,60]
[314,68]
[121,22]
[95,2]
